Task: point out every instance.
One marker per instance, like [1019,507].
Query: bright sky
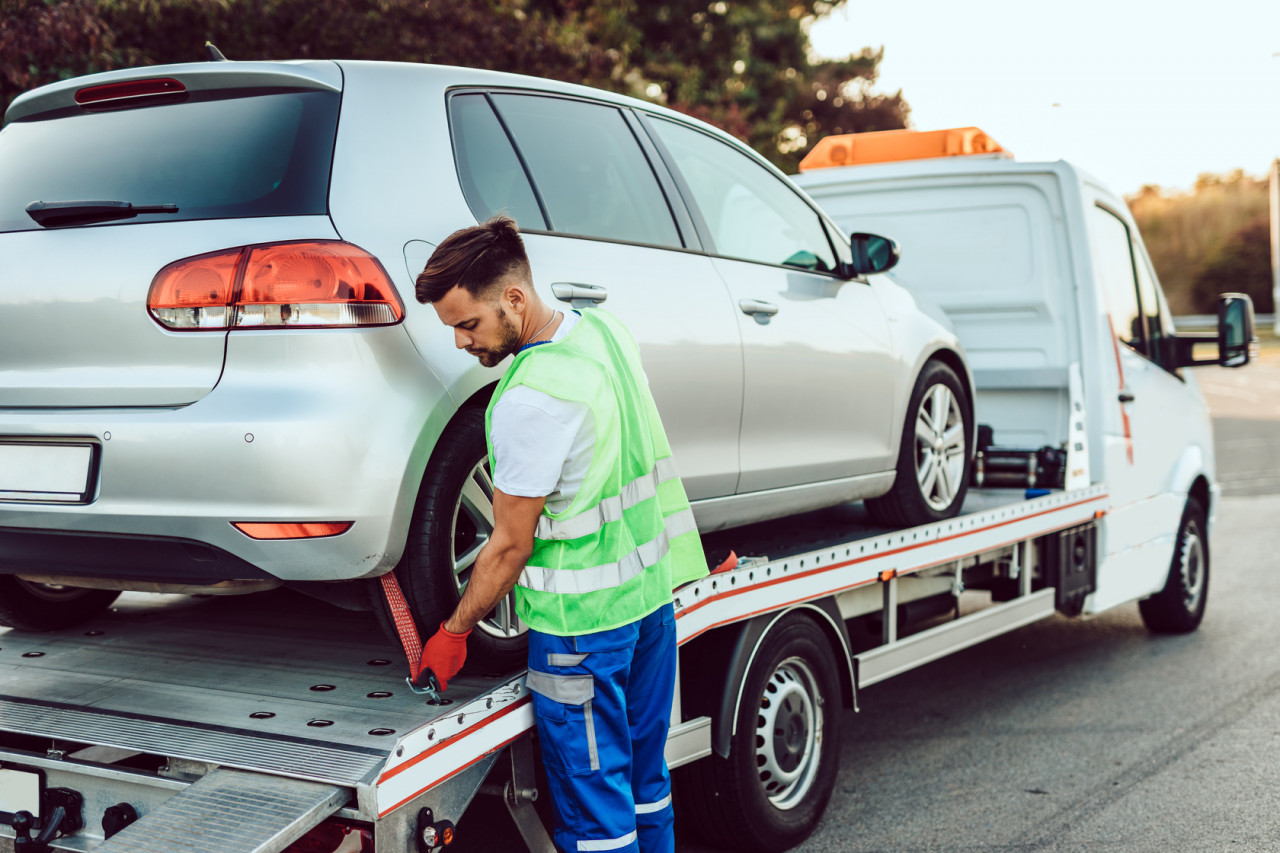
[1134,91]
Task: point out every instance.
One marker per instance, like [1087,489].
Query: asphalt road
[1092,735]
[1079,735]
[1082,735]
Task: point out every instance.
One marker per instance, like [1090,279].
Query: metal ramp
[231,811]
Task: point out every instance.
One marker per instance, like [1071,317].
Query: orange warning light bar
[887,146]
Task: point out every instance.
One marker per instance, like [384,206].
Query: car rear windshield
[225,157]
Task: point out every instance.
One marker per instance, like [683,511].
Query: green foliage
[43,42]
[1240,264]
[1209,240]
[743,66]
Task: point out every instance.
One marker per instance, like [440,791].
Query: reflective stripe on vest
[640,489]
[610,575]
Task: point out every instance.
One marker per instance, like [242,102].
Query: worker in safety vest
[591,526]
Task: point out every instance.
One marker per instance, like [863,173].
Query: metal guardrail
[1209,322]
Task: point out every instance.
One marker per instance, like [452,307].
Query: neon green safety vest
[628,538]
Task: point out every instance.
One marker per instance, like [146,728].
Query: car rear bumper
[152,559]
[304,426]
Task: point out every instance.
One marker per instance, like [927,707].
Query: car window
[1113,264]
[493,180]
[589,170]
[750,212]
[1154,311]
[263,155]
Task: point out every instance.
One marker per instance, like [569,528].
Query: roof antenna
[212,52]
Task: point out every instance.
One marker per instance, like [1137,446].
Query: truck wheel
[933,456]
[452,521]
[30,606]
[771,791]
[1179,607]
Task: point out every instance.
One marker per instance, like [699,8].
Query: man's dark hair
[474,259]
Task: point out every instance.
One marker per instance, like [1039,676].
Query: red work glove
[443,654]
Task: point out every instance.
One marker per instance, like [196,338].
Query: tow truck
[242,726]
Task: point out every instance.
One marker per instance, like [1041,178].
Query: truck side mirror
[872,253]
[1237,343]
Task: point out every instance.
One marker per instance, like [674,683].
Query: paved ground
[1094,735]
[1084,735]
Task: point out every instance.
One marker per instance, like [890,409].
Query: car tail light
[111,94]
[291,530]
[334,836]
[304,285]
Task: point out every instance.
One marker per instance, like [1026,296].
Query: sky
[1134,91]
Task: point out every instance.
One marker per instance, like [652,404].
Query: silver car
[214,376]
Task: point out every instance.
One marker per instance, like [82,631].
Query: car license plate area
[47,472]
[20,790]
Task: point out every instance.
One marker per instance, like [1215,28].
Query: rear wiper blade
[68,212]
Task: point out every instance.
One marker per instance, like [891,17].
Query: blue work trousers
[603,706]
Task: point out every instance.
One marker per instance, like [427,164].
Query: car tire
[1179,607]
[452,520]
[770,792]
[30,606]
[934,459]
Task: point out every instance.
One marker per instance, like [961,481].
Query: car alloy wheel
[472,529]
[940,447]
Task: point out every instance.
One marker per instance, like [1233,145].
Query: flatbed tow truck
[239,725]
[225,724]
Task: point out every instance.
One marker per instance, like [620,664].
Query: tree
[743,66]
[45,42]
[1241,264]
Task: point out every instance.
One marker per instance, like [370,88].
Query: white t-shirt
[542,445]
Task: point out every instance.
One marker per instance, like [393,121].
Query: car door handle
[761,311]
[1126,396]
[579,295]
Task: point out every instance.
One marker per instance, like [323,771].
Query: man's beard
[509,337]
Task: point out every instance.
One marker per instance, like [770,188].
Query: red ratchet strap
[405,626]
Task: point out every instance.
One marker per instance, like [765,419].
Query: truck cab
[1043,272]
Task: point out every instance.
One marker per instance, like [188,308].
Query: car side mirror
[873,253]
[1237,343]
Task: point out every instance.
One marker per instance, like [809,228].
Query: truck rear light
[334,836]
[315,284]
[291,530]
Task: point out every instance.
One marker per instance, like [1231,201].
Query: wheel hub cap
[788,734]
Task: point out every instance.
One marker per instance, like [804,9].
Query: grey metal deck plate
[231,682]
[230,812]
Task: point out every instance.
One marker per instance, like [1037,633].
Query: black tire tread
[1165,612]
[902,505]
[721,797]
[26,612]
[431,595]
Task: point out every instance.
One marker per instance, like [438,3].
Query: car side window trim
[1151,347]
[700,222]
[622,112]
[524,164]
[462,154]
[680,212]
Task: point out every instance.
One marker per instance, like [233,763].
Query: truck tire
[934,462]
[1179,607]
[771,791]
[30,606]
[452,521]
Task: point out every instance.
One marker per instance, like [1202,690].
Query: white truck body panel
[1014,253]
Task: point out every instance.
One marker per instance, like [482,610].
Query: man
[591,526]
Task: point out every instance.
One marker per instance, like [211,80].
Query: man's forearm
[496,571]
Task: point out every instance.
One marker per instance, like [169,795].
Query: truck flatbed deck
[204,695]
